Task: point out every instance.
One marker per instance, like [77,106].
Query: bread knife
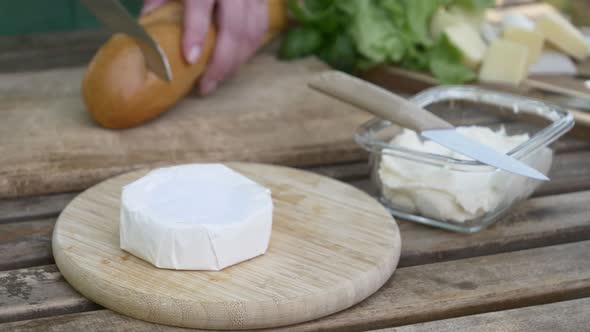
[116,18]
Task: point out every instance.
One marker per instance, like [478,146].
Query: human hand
[241,28]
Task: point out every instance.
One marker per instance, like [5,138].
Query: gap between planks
[413,295]
[559,316]
[535,223]
[570,172]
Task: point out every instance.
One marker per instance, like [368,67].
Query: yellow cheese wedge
[533,40]
[505,62]
[561,33]
[468,41]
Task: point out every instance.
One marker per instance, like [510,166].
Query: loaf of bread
[118,89]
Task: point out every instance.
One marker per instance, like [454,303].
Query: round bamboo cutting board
[331,246]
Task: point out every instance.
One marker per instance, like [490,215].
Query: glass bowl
[461,194]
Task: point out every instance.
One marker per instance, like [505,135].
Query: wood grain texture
[34,207]
[265,114]
[567,316]
[538,222]
[415,294]
[99,321]
[25,294]
[40,86]
[570,172]
[25,244]
[542,221]
[331,246]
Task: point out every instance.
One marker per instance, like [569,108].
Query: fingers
[197,19]
[255,29]
[230,18]
[242,25]
[149,5]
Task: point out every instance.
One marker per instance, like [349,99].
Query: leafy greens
[352,35]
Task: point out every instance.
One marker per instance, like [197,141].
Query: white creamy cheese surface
[444,194]
[195,217]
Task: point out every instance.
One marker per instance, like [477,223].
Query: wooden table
[530,272]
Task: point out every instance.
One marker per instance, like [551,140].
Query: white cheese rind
[195,217]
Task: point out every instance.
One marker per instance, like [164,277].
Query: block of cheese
[441,20]
[195,217]
[468,41]
[505,62]
[532,39]
[563,35]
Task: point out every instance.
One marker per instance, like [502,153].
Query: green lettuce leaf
[300,42]
[418,15]
[353,35]
[374,35]
[472,4]
[340,53]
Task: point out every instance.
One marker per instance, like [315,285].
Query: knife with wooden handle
[396,109]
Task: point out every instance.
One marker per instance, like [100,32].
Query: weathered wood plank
[38,292]
[343,172]
[25,244]
[469,286]
[34,86]
[99,320]
[537,222]
[66,151]
[34,207]
[567,316]
[414,294]
[570,172]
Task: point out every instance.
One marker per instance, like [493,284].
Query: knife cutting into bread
[121,89]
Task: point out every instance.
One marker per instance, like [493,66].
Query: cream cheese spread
[442,193]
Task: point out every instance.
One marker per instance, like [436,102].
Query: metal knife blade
[402,112]
[116,18]
[453,140]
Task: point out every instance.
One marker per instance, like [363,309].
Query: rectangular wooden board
[265,113]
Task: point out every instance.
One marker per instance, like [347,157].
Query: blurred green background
[28,16]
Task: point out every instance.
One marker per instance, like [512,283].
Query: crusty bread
[119,91]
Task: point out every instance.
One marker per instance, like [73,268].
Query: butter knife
[116,18]
[398,110]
